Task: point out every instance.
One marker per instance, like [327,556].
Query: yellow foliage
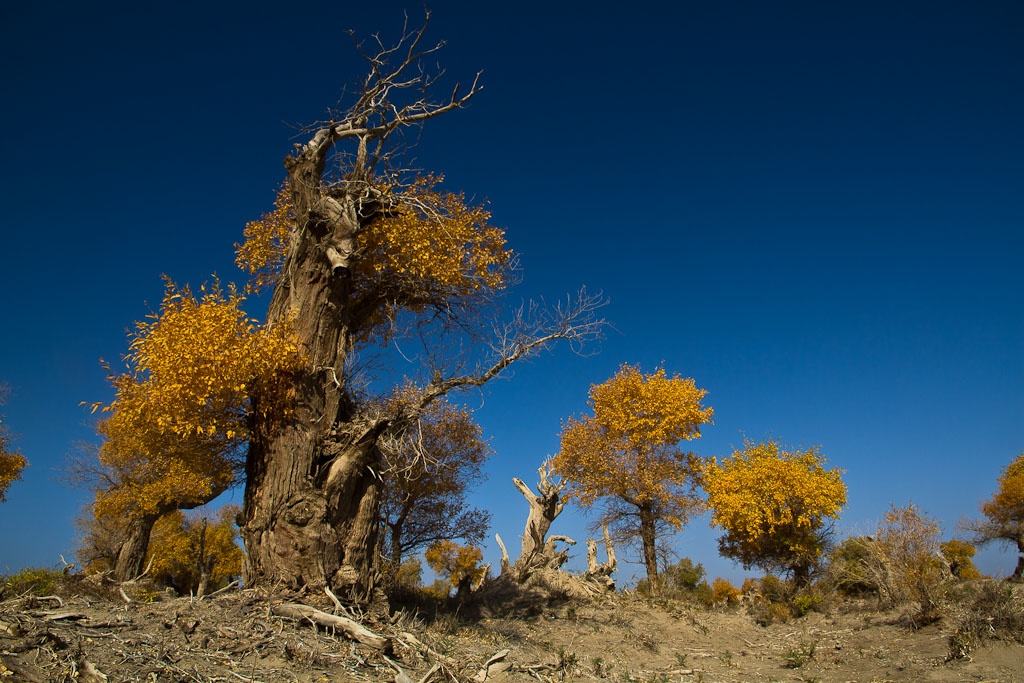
[266,240]
[458,563]
[425,241]
[434,235]
[182,545]
[772,503]
[722,591]
[627,449]
[11,462]
[1007,504]
[959,553]
[180,414]
[11,465]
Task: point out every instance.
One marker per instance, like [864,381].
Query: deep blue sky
[816,210]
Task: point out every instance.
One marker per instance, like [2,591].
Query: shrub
[31,580]
[722,591]
[684,580]
[900,563]
[772,604]
[985,610]
[768,613]
[849,567]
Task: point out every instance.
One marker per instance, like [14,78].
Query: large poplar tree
[359,251]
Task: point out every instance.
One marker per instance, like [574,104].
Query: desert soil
[236,637]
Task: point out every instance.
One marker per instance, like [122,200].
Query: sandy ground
[236,637]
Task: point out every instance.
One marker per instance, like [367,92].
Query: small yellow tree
[175,431]
[774,506]
[11,461]
[959,553]
[627,454]
[198,552]
[1004,514]
[460,564]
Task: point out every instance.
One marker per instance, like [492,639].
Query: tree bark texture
[310,515]
[545,506]
[649,541]
[311,509]
[131,556]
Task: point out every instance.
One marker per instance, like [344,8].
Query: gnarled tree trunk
[310,516]
[538,550]
[131,555]
[312,498]
[1018,572]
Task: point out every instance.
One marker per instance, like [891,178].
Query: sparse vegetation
[30,581]
[983,611]
[801,654]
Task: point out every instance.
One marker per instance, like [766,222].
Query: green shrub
[31,580]
[797,656]
[683,581]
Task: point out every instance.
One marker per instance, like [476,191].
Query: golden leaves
[627,448]
[11,465]
[180,413]
[11,461]
[266,240]
[457,563]
[1007,504]
[180,544]
[764,497]
[434,236]
[420,246]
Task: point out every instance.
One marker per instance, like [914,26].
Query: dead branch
[531,329]
[352,629]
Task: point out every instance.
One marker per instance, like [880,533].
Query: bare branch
[531,329]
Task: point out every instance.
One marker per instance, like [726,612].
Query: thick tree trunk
[1018,573]
[131,556]
[395,540]
[312,499]
[650,548]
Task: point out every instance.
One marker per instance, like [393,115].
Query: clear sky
[816,210]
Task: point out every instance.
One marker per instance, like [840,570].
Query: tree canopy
[195,553]
[1004,514]
[460,564]
[11,461]
[774,505]
[174,435]
[627,454]
[430,467]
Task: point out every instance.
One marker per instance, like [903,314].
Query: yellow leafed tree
[774,506]
[460,564]
[627,454]
[197,552]
[173,436]
[1004,514]
[11,461]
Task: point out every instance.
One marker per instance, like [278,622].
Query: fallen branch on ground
[352,629]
